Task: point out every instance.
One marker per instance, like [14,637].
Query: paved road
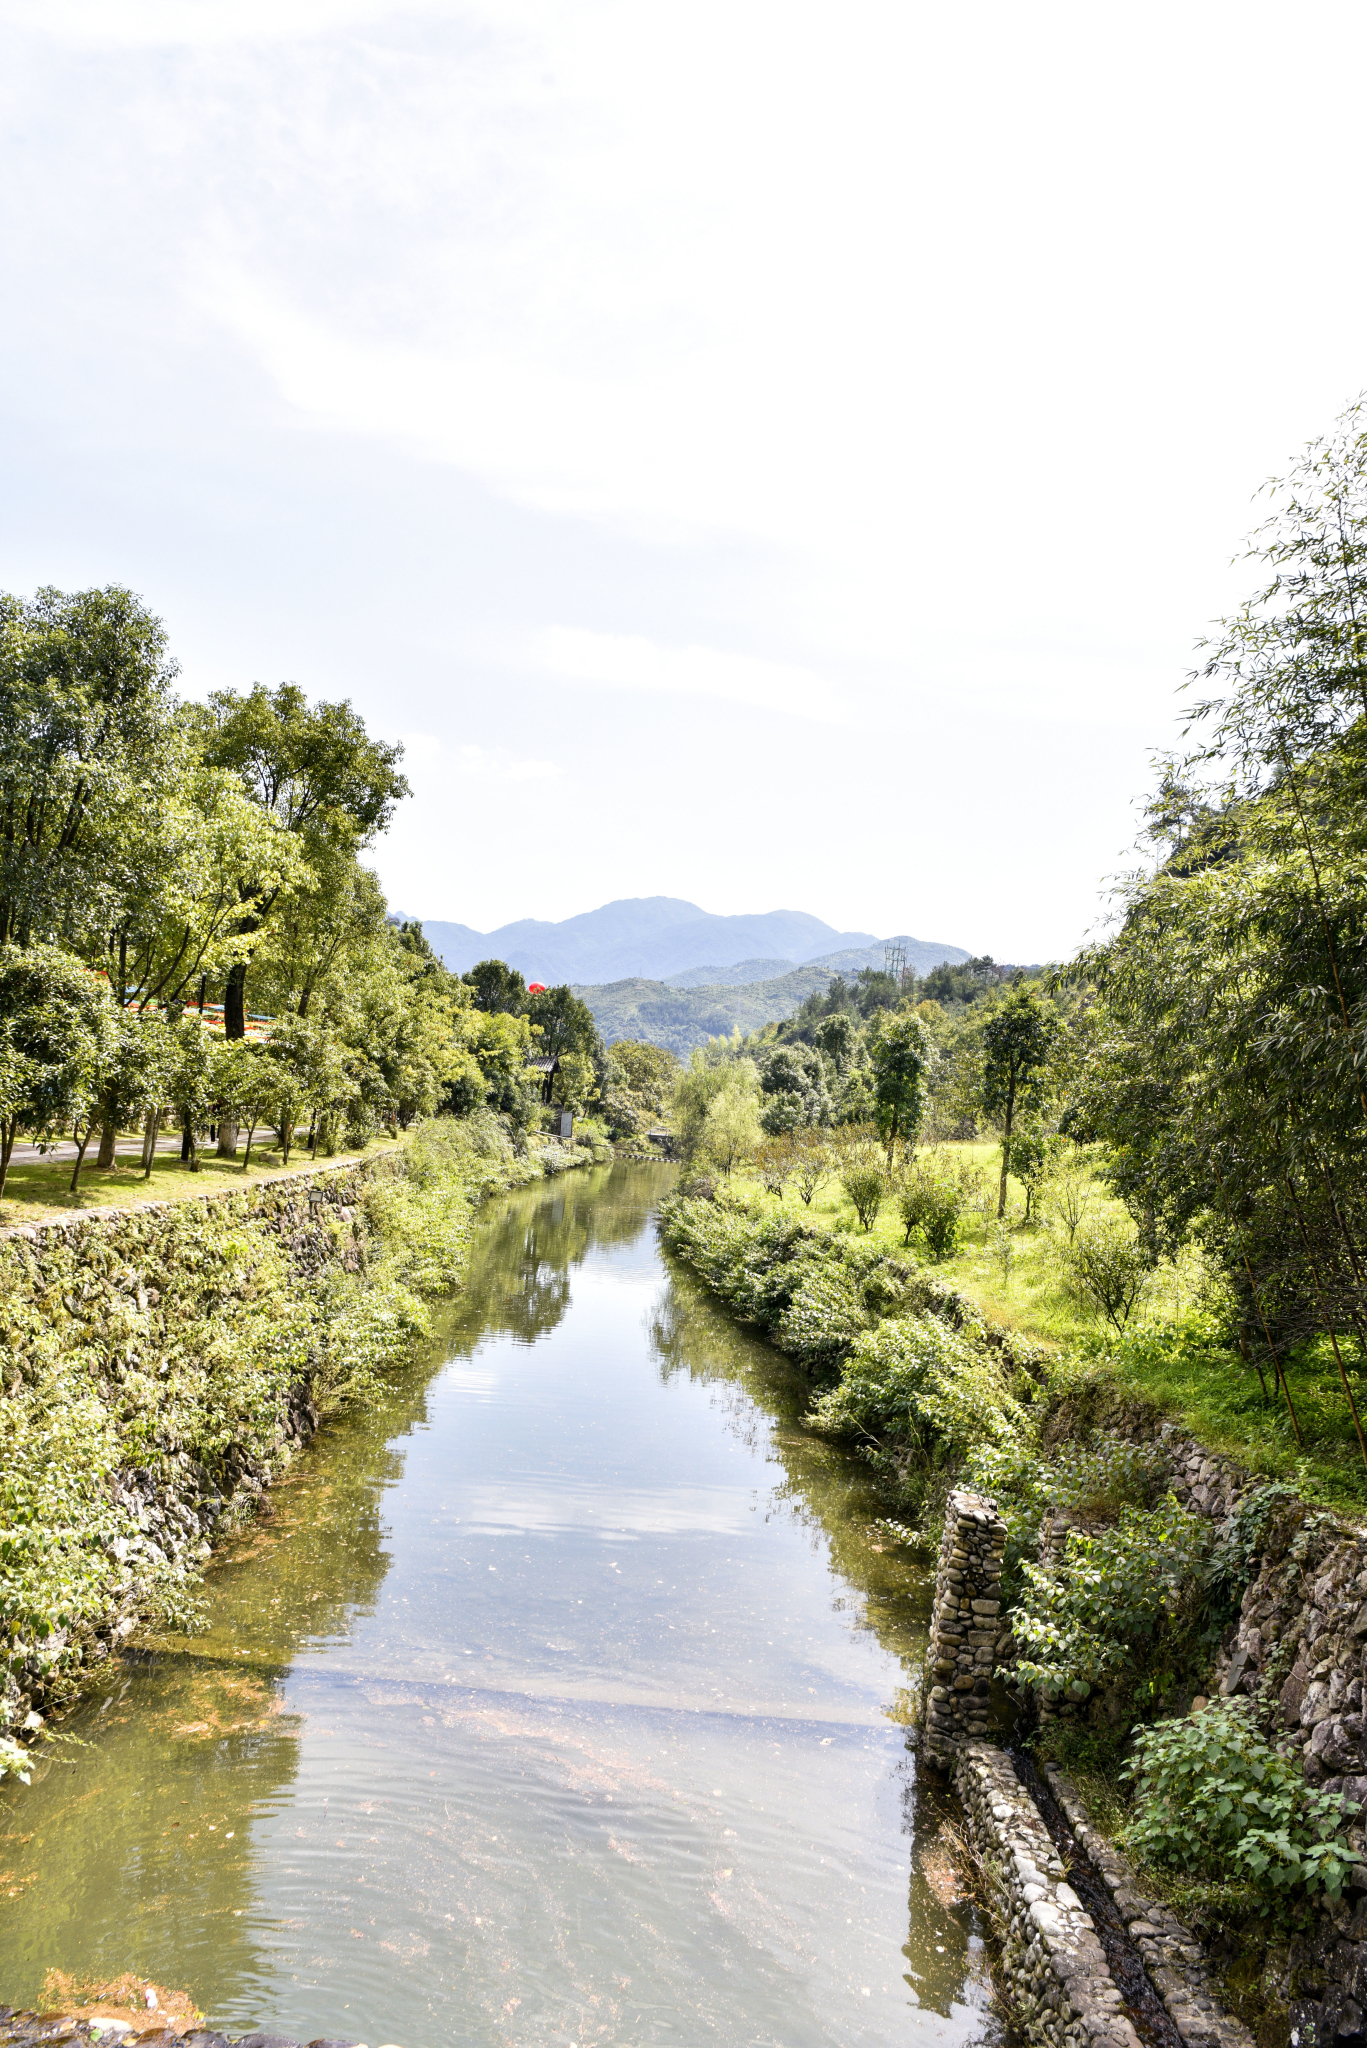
[125,1148]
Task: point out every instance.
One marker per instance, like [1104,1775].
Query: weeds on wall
[152,1365]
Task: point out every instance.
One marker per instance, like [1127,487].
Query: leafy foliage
[930,1202]
[151,1368]
[1213,1796]
[1097,1612]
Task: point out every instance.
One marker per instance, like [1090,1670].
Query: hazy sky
[763,453]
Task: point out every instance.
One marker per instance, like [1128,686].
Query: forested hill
[660,936]
[681,1018]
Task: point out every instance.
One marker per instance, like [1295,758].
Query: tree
[639,1080]
[811,1163]
[793,1082]
[565,1023]
[776,1160]
[1018,1039]
[314,771]
[866,1181]
[498,988]
[87,753]
[731,1127]
[328,917]
[698,1087]
[243,1085]
[1293,661]
[57,1023]
[194,1083]
[134,1078]
[292,1051]
[900,1053]
[576,1081]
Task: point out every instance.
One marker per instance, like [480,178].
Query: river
[559,1699]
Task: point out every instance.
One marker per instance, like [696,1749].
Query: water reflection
[555,1700]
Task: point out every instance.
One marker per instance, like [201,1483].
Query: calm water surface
[558,1700]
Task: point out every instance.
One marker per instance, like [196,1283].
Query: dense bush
[1214,1798]
[865,1181]
[930,1203]
[1096,1614]
[919,1383]
[916,1381]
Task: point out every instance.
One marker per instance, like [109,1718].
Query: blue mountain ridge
[653,937]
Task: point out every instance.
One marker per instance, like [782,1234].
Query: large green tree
[1018,1039]
[315,772]
[57,1028]
[900,1053]
[88,756]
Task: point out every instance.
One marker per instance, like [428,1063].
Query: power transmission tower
[895,962]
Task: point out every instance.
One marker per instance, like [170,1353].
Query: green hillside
[681,1018]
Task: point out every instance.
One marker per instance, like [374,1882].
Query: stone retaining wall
[1172,1956]
[90,1281]
[965,1627]
[1054,1979]
[1299,1652]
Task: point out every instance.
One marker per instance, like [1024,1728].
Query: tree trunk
[80,1156]
[149,1142]
[108,1133]
[187,1142]
[1006,1150]
[9,1131]
[227,1138]
[235,1003]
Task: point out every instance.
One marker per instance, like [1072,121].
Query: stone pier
[965,1626]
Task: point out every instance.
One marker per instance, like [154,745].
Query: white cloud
[628,661]
[493,764]
[173,23]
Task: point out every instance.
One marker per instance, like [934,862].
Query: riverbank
[1208,1580]
[164,1362]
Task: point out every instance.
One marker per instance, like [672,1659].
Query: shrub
[1096,1614]
[1210,1792]
[931,1205]
[917,1381]
[865,1181]
[811,1163]
[1108,1269]
[775,1161]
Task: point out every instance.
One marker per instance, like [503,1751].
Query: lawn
[40,1189]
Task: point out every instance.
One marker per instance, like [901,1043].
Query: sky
[768,454]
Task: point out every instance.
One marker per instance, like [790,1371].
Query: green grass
[1172,1357]
[39,1190]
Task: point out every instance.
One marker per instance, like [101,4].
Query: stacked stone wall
[1298,1650]
[1053,1976]
[1173,1959]
[965,1627]
[91,1276]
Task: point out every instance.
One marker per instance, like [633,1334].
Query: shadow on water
[559,1697]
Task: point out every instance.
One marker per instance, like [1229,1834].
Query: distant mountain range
[663,939]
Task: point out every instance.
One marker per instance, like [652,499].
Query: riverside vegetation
[162,1364]
[190,942]
[1011,1222]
